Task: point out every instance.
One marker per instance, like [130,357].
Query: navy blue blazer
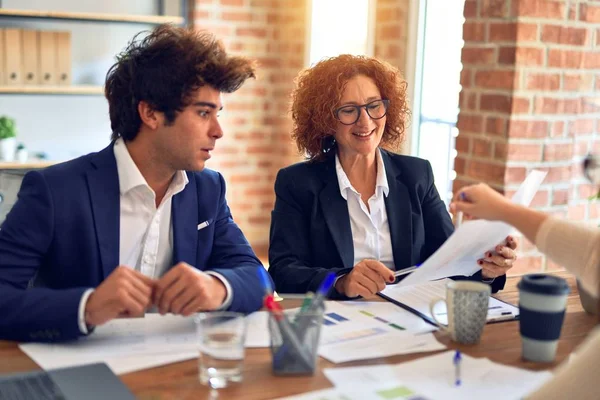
[310,225]
[63,231]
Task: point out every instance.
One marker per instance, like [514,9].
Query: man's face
[186,143]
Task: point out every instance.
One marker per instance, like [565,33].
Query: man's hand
[366,278]
[185,290]
[124,292]
[497,263]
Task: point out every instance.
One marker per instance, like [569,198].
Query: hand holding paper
[497,262]
[459,254]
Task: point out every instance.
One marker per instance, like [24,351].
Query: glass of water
[221,336]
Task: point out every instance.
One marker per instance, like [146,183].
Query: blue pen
[265,280]
[322,292]
[317,302]
[457,360]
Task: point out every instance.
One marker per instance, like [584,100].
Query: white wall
[68,126]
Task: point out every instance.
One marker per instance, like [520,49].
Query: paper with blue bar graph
[357,332]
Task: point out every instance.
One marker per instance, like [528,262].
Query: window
[436,112]
[340,27]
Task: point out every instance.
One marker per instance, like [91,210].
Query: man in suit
[141,223]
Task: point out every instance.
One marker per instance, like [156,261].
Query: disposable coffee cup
[542,303]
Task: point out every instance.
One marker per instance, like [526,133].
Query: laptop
[90,382]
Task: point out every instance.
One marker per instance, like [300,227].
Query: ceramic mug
[466,310]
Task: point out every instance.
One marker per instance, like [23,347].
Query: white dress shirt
[146,231]
[370,229]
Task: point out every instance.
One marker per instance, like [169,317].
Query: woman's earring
[327,143]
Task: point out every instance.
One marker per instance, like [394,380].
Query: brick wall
[530,99]
[391,30]
[255,119]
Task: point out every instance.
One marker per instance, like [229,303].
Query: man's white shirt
[145,231]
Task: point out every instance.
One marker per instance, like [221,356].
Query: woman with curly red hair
[355,207]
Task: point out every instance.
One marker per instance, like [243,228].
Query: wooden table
[500,343]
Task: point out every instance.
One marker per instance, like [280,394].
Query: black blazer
[310,225]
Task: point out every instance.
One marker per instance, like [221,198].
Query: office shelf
[92,17]
[52,89]
[26,165]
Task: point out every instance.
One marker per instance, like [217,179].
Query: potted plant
[8,141]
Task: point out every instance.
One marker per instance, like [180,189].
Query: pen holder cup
[295,341]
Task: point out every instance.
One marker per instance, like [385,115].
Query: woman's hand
[498,262]
[366,279]
[480,201]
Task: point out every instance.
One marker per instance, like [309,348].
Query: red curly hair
[318,93]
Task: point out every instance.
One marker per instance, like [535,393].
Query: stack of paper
[359,330]
[434,377]
[419,297]
[128,345]
[356,332]
[125,345]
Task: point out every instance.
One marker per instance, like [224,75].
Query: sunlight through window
[339,27]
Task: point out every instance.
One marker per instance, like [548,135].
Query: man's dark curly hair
[164,69]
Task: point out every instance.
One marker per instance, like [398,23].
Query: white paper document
[392,391]
[390,313]
[434,377]
[257,330]
[349,334]
[124,344]
[128,345]
[459,254]
[418,297]
[385,345]
[358,330]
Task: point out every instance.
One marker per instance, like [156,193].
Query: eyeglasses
[349,114]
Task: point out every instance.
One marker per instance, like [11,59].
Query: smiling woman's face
[362,137]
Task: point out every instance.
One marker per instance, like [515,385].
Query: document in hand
[459,254]
[416,298]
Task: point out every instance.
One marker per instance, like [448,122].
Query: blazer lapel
[399,211]
[184,213]
[335,210]
[103,187]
